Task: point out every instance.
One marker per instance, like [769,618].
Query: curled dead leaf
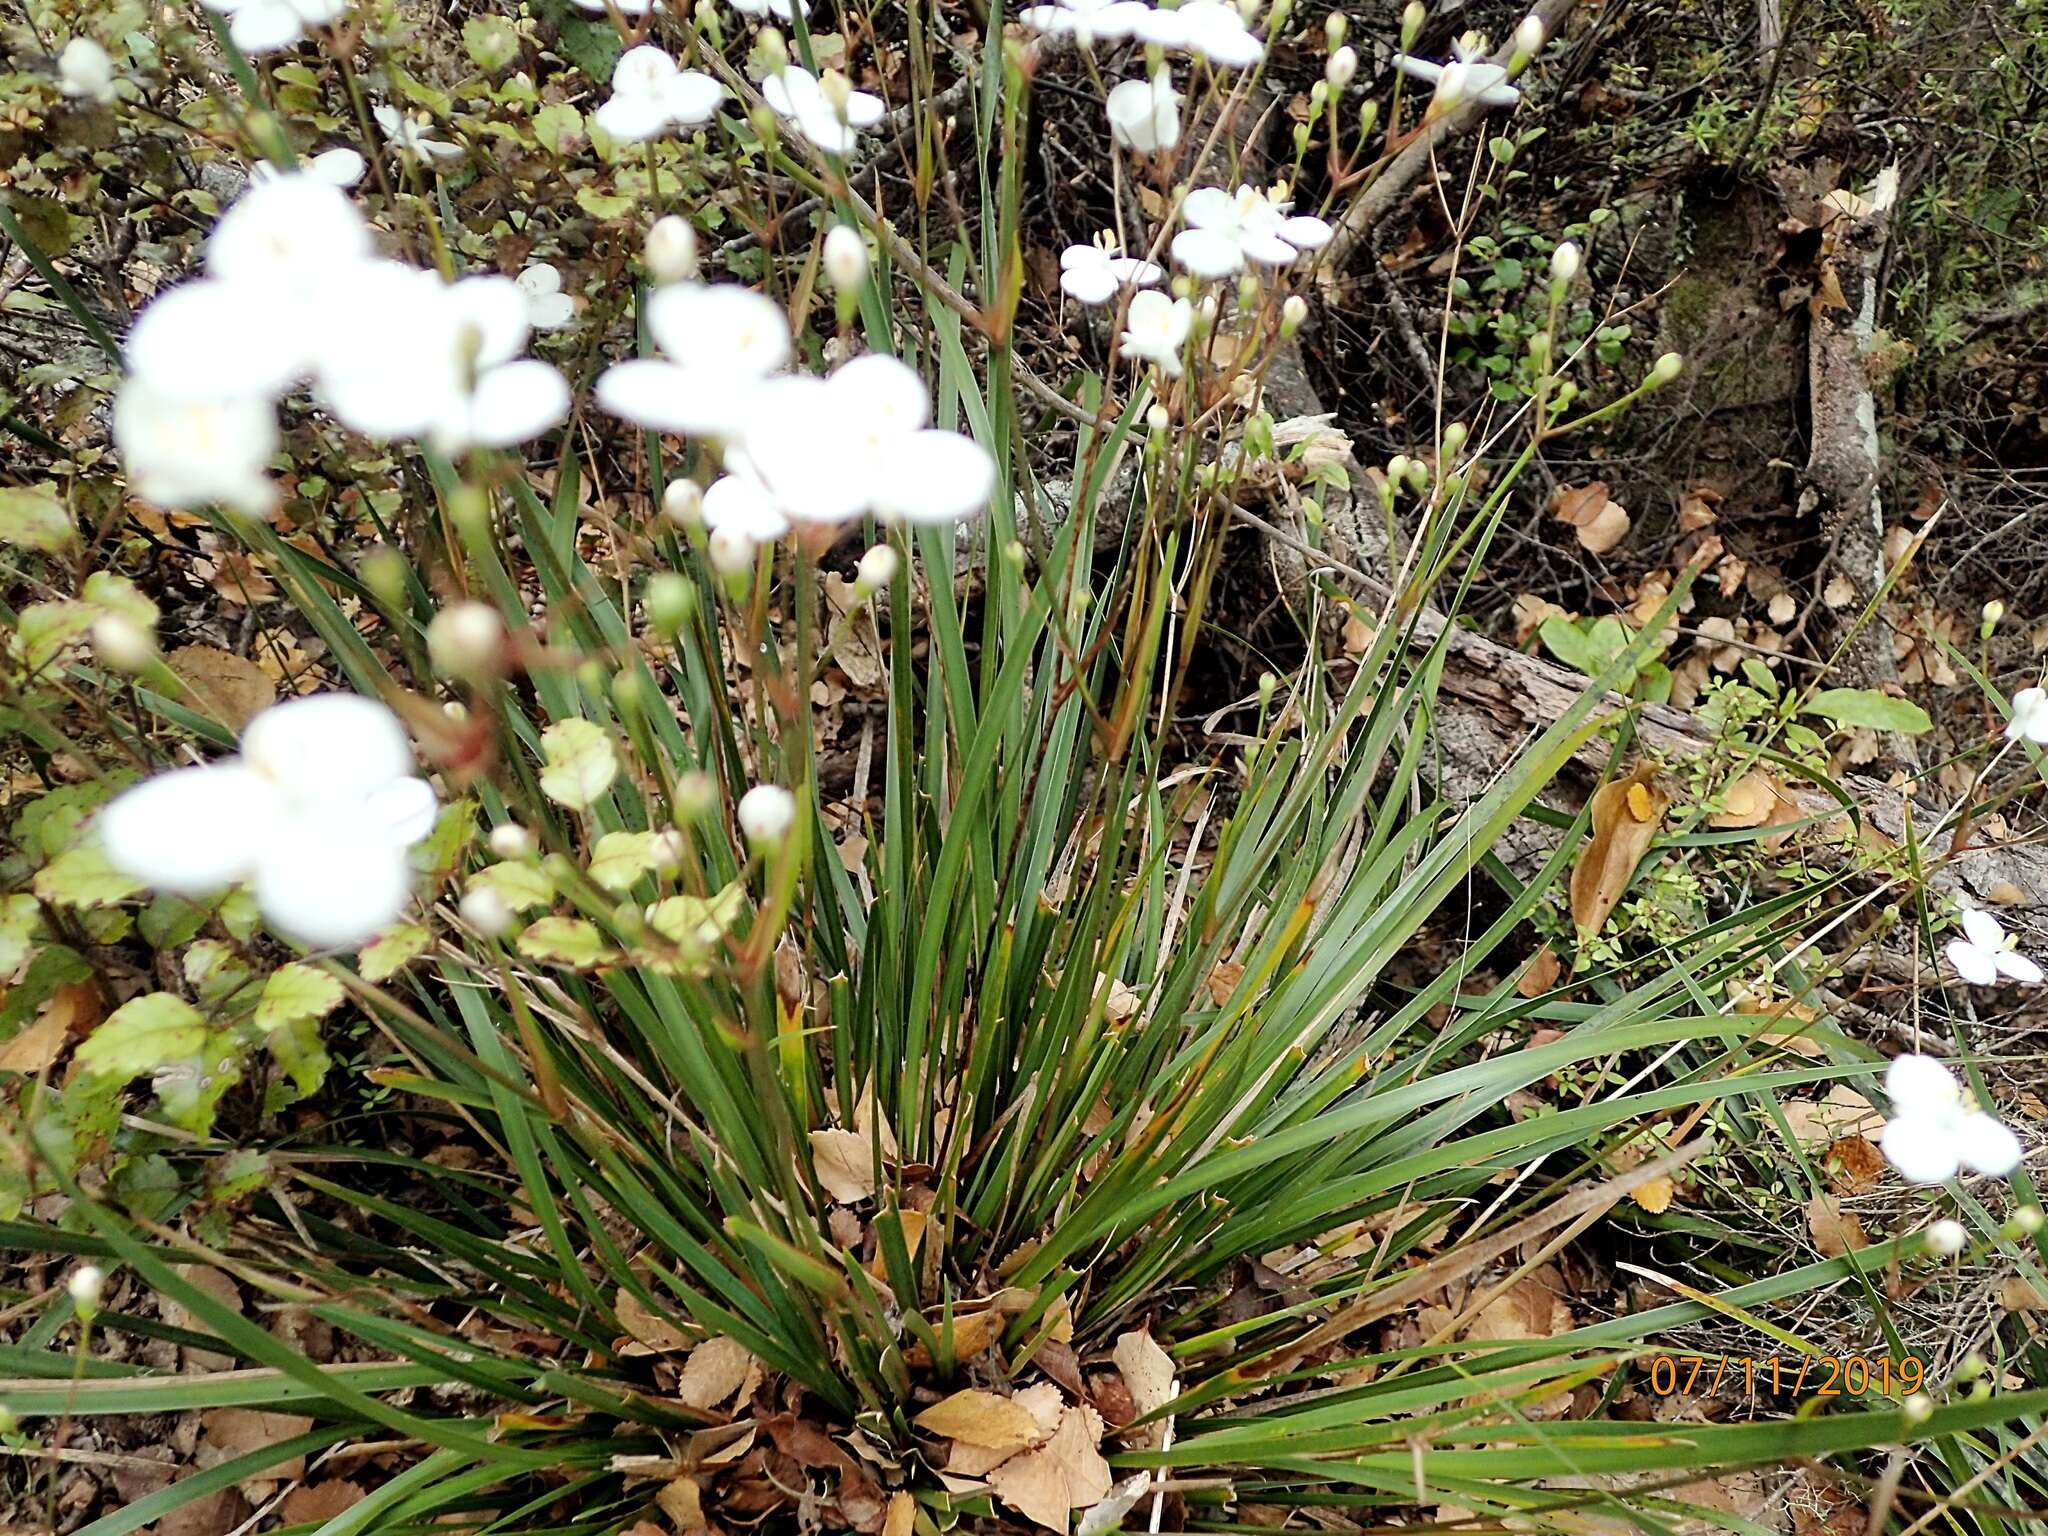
[1599,523]
[1064,1474]
[1626,815]
[1748,802]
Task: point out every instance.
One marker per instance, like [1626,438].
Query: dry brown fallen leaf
[1854,1165]
[72,1009]
[683,1502]
[1748,802]
[1843,1112]
[1656,1196]
[1147,1370]
[230,688]
[1541,975]
[1064,1474]
[1599,523]
[652,1334]
[714,1371]
[973,1332]
[845,1161]
[981,1419]
[902,1514]
[1626,815]
[317,1503]
[1834,1230]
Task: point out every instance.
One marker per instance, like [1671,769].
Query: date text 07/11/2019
[1821,1375]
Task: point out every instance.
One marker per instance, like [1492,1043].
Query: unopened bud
[1530,36]
[383,570]
[671,600]
[123,644]
[465,640]
[671,249]
[1342,68]
[1945,1239]
[1454,438]
[85,1287]
[837,91]
[876,570]
[1989,616]
[509,840]
[1411,23]
[665,849]
[1564,263]
[1269,684]
[1292,313]
[766,813]
[696,796]
[1335,25]
[485,910]
[1157,418]
[2028,1219]
[1917,1408]
[846,258]
[1664,370]
[731,552]
[683,503]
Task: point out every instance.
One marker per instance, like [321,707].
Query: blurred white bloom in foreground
[720,341]
[1225,231]
[651,93]
[264,26]
[1086,20]
[547,307]
[1468,76]
[1144,115]
[2029,720]
[845,258]
[1156,328]
[781,10]
[86,71]
[828,112]
[410,134]
[338,167]
[829,450]
[427,359]
[1209,29]
[739,503]
[317,813]
[1091,274]
[671,249]
[1933,1132]
[767,812]
[1985,952]
[192,453]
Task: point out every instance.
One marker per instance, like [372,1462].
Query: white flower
[1933,1132]
[410,135]
[264,26]
[781,10]
[1144,115]
[1224,232]
[1985,952]
[182,452]
[829,450]
[1091,274]
[671,249]
[721,341]
[85,1286]
[339,167]
[827,112]
[427,359]
[1947,1238]
[85,70]
[1468,76]
[2029,720]
[652,93]
[845,258]
[877,568]
[1341,69]
[1086,20]
[1209,29]
[1564,262]
[1156,328]
[767,812]
[682,503]
[739,503]
[317,813]
[547,307]
[1531,35]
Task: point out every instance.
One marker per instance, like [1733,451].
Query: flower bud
[1664,370]
[1411,24]
[731,552]
[671,249]
[1368,118]
[696,796]
[683,503]
[1989,616]
[485,911]
[1564,264]
[85,1286]
[1946,1238]
[123,644]
[1454,438]
[1397,473]
[766,813]
[1157,418]
[2028,1219]
[1342,68]
[1269,684]
[383,570]
[1335,25]
[671,600]
[465,640]
[1530,36]
[1917,1408]
[1292,313]
[1208,310]
[665,849]
[774,50]
[509,840]
[876,570]
[846,258]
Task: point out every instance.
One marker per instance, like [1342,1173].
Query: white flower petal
[329,749]
[404,811]
[2015,966]
[692,97]
[265,27]
[1206,253]
[725,328]
[195,829]
[332,884]
[1091,284]
[1983,930]
[936,477]
[210,340]
[1269,250]
[1987,1146]
[1919,1084]
[1974,964]
[1136,272]
[551,311]
[1920,1147]
[1209,208]
[631,118]
[741,503]
[516,402]
[1306,232]
[493,308]
[667,398]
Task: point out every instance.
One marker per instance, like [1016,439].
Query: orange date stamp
[1820,1375]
